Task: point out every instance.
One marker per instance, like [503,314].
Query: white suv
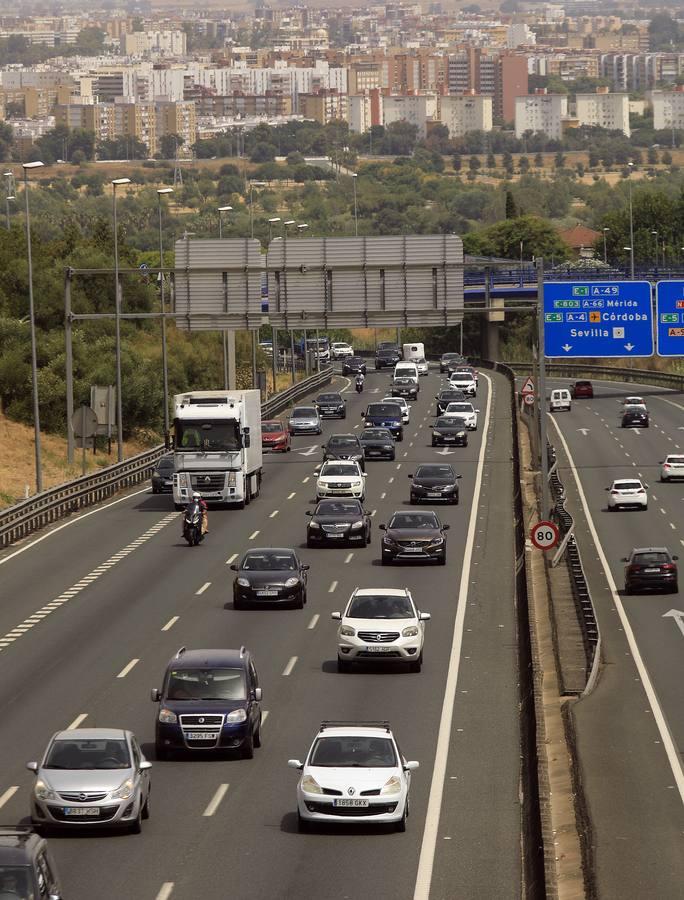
[341,478]
[627,492]
[464,410]
[380,624]
[464,381]
[340,350]
[354,772]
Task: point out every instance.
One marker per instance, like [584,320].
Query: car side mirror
[322,446]
[308,512]
[411,765]
[295,764]
[431,426]
[145,765]
[624,558]
[459,476]
[477,410]
[424,617]
[446,527]
[675,557]
[258,694]
[382,527]
[606,489]
[306,567]
[410,476]
[234,567]
[32,766]
[645,485]
[336,616]
[54,897]
[155,695]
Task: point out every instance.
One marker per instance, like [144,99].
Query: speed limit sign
[529,399]
[544,535]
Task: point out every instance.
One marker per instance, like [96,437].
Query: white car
[464,381]
[353,772]
[380,624]
[633,401]
[672,467]
[340,350]
[464,410]
[405,408]
[341,478]
[422,365]
[627,492]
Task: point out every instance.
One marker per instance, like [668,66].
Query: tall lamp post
[228,334]
[9,194]
[655,238]
[605,247]
[162,192]
[117,320]
[34,364]
[252,185]
[221,210]
[630,166]
[356,211]
[302,228]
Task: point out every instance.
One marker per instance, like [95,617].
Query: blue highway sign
[598,319]
[670,318]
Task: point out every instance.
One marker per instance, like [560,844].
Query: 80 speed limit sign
[544,535]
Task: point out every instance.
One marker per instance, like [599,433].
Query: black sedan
[377,443]
[434,481]
[634,417]
[344,446]
[405,387]
[387,358]
[269,575]
[331,406]
[447,396]
[162,475]
[414,535]
[449,430]
[352,365]
[450,359]
[651,568]
[337,522]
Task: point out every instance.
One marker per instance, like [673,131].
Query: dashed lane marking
[293,494]
[253,534]
[273,514]
[170,623]
[314,621]
[77,721]
[349,558]
[333,587]
[291,663]
[215,801]
[231,559]
[165,891]
[203,588]
[127,668]
[8,794]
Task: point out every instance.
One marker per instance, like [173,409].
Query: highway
[91,612]
[631,729]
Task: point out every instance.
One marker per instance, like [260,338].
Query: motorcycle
[359,386]
[192,525]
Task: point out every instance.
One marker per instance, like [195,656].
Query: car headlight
[392,786]
[437,541]
[292,582]
[167,717]
[411,631]
[387,540]
[437,433]
[237,715]
[356,526]
[314,525]
[43,791]
[387,446]
[243,582]
[310,785]
[124,791]
[356,483]
[461,434]
[347,631]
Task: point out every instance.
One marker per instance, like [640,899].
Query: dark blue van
[385,415]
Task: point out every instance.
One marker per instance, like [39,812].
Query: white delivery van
[413,351]
[560,399]
[406,370]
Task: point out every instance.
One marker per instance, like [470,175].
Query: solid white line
[333,587]
[292,662]
[9,793]
[165,891]
[127,669]
[429,844]
[231,559]
[314,621]
[77,721]
[253,534]
[203,588]
[170,623]
[216,800]
[658,715]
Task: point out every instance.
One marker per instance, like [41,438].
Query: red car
[582,390]
[274,436]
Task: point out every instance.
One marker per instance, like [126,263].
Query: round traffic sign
[529,399]
[544,535]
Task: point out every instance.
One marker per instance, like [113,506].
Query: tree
[503,239]
[169,145]
[652,156]
[539,160]
[400,138]
[524,165]
[559,160]
[456,162]
[667,158]
[511,208]
[474,163]
[491,161]
[263,153]
[663,32]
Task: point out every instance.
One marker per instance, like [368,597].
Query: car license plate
[350,801]
[413,550]
[81,811]
[334,536]
[201,735]
[434,494]
[449,437]
[376,649]
[651,571]
[267,593]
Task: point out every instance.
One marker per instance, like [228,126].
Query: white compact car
[464,381]
[354,772]
[380,625]
[627,492]
[672,467]
[464,410]
[341,478]
[405,408]
[422,365]
[633,401]
[340,350]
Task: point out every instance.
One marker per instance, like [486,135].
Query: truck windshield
[14,882]
[207,436]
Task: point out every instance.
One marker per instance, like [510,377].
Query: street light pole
[222,209]
[605,248]
[117,321]
[32,320]
[165,369]
[631,224]
[228,335]
[252,185]
[356,215]
[9,194]
[655,236]
[301,228]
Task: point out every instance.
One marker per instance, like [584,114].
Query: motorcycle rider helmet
[196,495]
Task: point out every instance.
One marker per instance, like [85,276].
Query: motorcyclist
[197,499]
[360,378]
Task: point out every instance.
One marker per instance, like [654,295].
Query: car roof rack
[332,723]
[180,652]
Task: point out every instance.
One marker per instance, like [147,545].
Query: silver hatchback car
[91,776]
[305,420]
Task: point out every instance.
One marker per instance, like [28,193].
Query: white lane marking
[231,559]
[314,621]
[293,494]
[85,582]
[304,480]
[333,587]
[429,843]
[165,891]
[291,663]
[170,623]
[673,526]
[411,444]
[9,793]
[215,801]
[77,721]
[273,514]
[373,512]
[662,510]
[253,534]
[399,464]
[349,558]
[383,495]
[391,480]
[127,668]
[203,588]
[658,715]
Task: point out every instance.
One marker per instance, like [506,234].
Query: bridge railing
[577,369]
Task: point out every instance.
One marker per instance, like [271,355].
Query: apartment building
[34,103]
[365,110]
[324,106]
[96,117]
[462,113]
[136,120]
[416,109]
[501,75]
[241,105]
[668,109]
[176,117]
[541,112]
[604,109]
[154,43]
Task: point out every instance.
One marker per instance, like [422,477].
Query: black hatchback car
[209,700]
[447,396]
[26,865]
[405,387]
[337,521]
[387,358]
[377,443]
[414,535]
[451,430]
[634,417]
[651,568]
[269,575]
[447,360]
[434,481]
[344,446]
[331,406]
[162,475]
[352,365]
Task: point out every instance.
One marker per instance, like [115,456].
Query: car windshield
[304,412]
[358,752]
[650,557]
[271,427]
[338,469]
[339,508]
[206,684]
[450,395]
[329,398]
[414,520]
[446,356]
[633,401]
[207,435]
[628,486]
[462,376]
[434,471]
[380,606]
[75,753]
[635,408]
[582,384]
[460,407]
[419,360]
[404,382]
[356,360]
[450,422]
[337,442]
[679,460]
[165,463]
[14,883]
[387,353]
[269,562]
[384,409]
[376,434]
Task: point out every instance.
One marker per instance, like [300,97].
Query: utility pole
[543,454]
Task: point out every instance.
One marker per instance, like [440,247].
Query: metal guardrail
[574,370]
[20,520]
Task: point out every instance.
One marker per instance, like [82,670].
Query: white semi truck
[217,446]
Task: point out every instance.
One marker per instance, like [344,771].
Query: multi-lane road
[91,612]
[631,729]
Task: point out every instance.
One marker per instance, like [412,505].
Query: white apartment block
[668,109]
[540,113]
[416,109]
[360,111]
[520,35]
[605,110]
[154,43]
[462,113]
